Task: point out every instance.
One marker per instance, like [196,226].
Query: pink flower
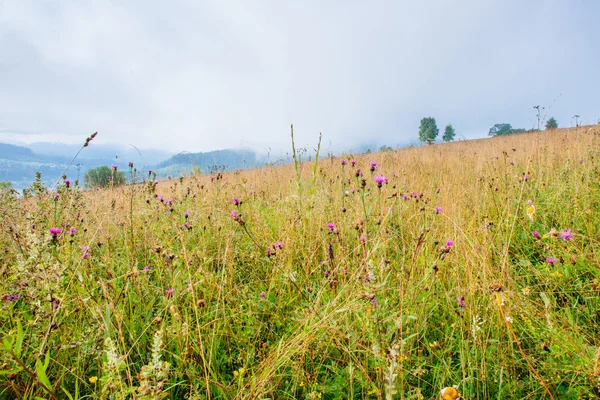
[536,234]
[380,179]
[438,209]
[373,166]
[115,167]
[362,239]
[278,245]
[344,162]
[233,214]
[169,292]
[72,231]
[449,243]
[55,231]
[331,226]
[566,235]
[353,163]
[236,201]
[262,295]
[461,302]
[550,260]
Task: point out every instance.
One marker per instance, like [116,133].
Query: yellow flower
[530,211]
[93,379]
[449,393]
[526,291]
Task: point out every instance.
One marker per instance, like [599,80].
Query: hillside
[388,275]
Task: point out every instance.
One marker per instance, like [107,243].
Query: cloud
[206,75]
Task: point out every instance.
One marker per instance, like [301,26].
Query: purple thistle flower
[566,235]
[449,243]
[262,295]
[56,197]
[67,183]
[344,162]
[405,197]
[169,292]
[186,214]
[438,209]
[234,214]
[146,268]
[150,172]
[55,231]
[115,167]
[331,226]
[130,164]
[169,202]
[362,239]
[380,180]
[536,234]
[327,273]
[550,260]
[461,302]
[438,190]
[236,201]
[278,245]
[72,231]
[373,166]
[353,163]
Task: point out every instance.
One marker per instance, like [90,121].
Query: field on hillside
[472,264]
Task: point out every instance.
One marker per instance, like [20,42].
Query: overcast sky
[212,74]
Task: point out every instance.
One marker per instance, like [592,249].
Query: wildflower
[509,319]
[56,197]
[169,292]
[526,291]
[236,201]
[93,379]
[358,172]
[146,268]
[405,197]
[362,239]
[536,235]
[234,214]
[186,214]
[566,235]
[550,260]
[449,243]
[269,253]
[530,211]
[67,183]
[130,164]
[344,162]
[353,163]
[55,231]
[461,302]
[438,209]
[449,393]
[529,201]
[373,166]
[278,245]
[169,202]
[438,190]
[380,180]
[150,172]
[10,297]
[331,226]
[115,167]
[262,295]
[327,273]
[72,231]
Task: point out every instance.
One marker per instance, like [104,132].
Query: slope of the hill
[391,275]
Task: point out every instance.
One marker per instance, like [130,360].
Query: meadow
[393,275]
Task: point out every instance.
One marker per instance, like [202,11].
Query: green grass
[369,309]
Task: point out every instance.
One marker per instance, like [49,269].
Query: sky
[201,75]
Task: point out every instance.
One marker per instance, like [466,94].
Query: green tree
[551,123]
[103,176]
[500,129]
[428,130]
[449,133]
[5,185]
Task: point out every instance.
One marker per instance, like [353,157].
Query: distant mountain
[102,151]
[19,164]
[218,160]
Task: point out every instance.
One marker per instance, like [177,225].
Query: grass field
[472,264]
